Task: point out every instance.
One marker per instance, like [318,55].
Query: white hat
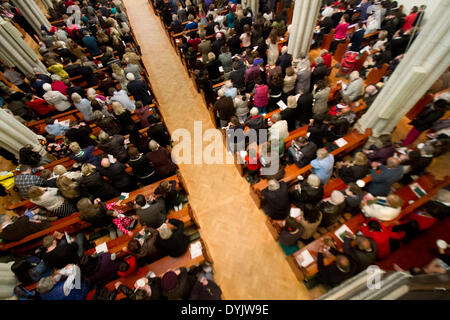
[47,87]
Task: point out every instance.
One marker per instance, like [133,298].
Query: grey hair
[45,285]
[273,185]
[164,231]
[318,60]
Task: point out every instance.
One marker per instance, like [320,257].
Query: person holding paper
[320,93]
[362,249]
[58,252]
[302,151]
[382,208]
[355,170]
[380,184]
[307,192]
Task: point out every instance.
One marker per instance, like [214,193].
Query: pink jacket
[341,31]
[261,95]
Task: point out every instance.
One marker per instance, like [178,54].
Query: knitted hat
[169,281]
[47,87]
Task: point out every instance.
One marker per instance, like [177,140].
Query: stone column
[252,4]
[303,22]
[14,135]
[15,52]
[33,14]
[422,65]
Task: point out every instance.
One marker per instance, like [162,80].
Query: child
[127,266]
[123,223]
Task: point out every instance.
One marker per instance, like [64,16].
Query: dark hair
[374,225]
[49,121]
[140,200]
[311,213]
[88,264]
[96,105]
[141,294]
[134,245]
[123,266]
[50,138]
[133,151]
[139,104]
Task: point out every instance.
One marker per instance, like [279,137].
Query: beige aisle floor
[248,263]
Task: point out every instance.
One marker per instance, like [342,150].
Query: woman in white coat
[55,98]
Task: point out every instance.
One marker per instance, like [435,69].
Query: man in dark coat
[363,250]
[116,173]
[177,284]
[334,274]
[19,229]
[319,73]
[80,133]
[225,106]
[302,152]
[115,146]
[304,107]
[152,213]
[380,184]
[357,38]
[284,60]
[276,200]
[139,89]
[157,132]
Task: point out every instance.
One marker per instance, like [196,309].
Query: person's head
[132,152]
[45,285]
[105,163]
[4,219]
[360,159]
[117,107]
[153,145]
[392,162]
[76,98]
[46,174]
[75,147]
[49,241]
[427,150]
[98,115]
[363,244]
[134,246]
[302,141]
[254,111]
[103,137]
[322,153]
[311,213]
[59,170]
[414,9]
[87,169]
[276,117]
[354,75]
[354,189]
[371,89]
[211,56]
[88,264]
[343,263]
[130,76]
[140,200]
[321,84]
[123,266]
[273,36]
[385,140]
[221,93]
[394,201]
[284,50]
[291,102]
[313,180]
[290,71]
[273,185]
[337,197]
[47,87]
[169,280]
[318,60]
[164,231]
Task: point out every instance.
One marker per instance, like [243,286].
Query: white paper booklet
[306,258]
[196,249]
[340,232]
[282,105]
[341,142]
[101,248]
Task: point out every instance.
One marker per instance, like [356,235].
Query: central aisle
[248,263]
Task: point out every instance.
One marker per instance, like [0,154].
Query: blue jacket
[381,183]
[356,40]
[91,44]
[323,168]
[57,292]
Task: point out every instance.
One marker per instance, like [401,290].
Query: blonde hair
[74,147]
[211,56]
[87,169]
[34,192]
[68,187]
[360,159]
[153,145]
[59,170]
[117,69]
[164,231]
[394,201]
[117,107]
[103,136]
[313,180]
[337,197]
[291,102]
[322,153]
[76,97]
[273,185]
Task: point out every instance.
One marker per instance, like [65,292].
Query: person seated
[50,199]
[115,172]
[85,155]
[291,233]
[309,191]
[354,88]
[318,130]
[353,196]
[19,228]
[58,252]
[81,133]
[167,190]
[381,154]
[142,170]
[95,213]
[370,93]
[177,284]
[147,288]
[382,208]
[57,149]
[381,183]
[157,131]
[302,151]
[281,126]
[332,209]
[416,161]
[308,220]
[143,245]
[439,204]
[113,145]
[98,268]
[363,250]
[276,200]
[205,288]
[172,242]
[26,179]
[127,266]
[335,273]
[152,213]
[53,288]
[323,165]
[160,159]
[355,170]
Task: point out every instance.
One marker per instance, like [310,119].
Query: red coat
[131,260]
[40,106]
[381,237]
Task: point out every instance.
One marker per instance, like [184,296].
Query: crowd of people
[130,150]
[220,41]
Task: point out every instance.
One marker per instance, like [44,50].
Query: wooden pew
[375,75]
[340,50]
[160,267]
[354,140]
[427,182]
[327,40]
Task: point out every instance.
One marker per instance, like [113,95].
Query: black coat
[183,287]
[304,107]
[21,228]
[80,135]
[158,133]
[330,274]
[290,116]
[225,106]
[284,61]
[318,133]
[117,175]
[309,153]
[363,259]
[153,216]
[307,194]
[353,173]
[237,77]
[141,167]
[213,69]
[276,203]
[115,147]
[319,73]
[95,185]
[108,125]
[177,244]
[140,90]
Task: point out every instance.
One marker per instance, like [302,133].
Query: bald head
[393,162]
[363,243]
[343,263]
[105,163]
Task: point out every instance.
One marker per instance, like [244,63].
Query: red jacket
[381,237]
[40,106]
[131,260]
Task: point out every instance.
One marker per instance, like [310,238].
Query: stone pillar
[303,23]
[14,135]
[33,14]
[252,4]
[15,52]
[422,65]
